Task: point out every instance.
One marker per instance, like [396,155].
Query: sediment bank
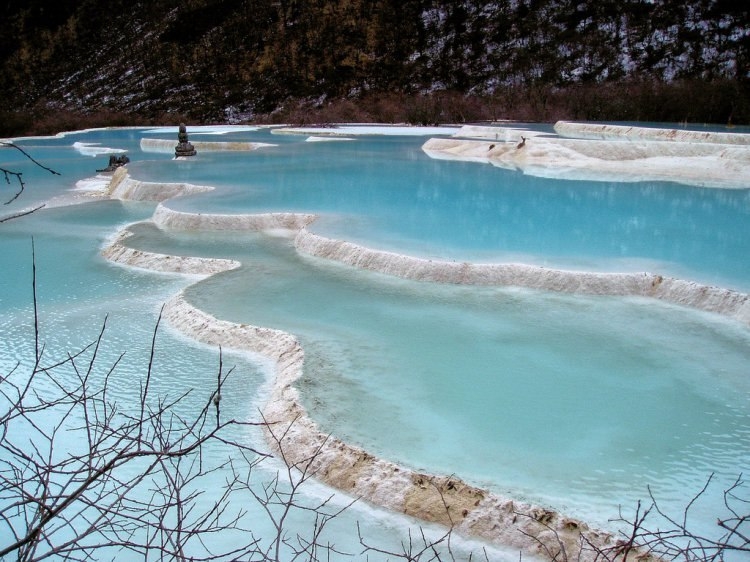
[122,186]
[176,220]
[118,252]
[606,131]
[446,500]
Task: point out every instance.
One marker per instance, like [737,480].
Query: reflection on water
[579,403]
[387,193]
[553,397]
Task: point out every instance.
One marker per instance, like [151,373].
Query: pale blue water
[387,193]
[574,402]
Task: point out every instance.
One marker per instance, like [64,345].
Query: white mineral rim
[701,165]
[621,154]
[117,252]
[627,132]
[296,437]
[718,300]
[167,146]
[122,186]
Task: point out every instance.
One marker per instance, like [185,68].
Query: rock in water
[184,147]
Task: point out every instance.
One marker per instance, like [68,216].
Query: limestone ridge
[165,146]
[118,252]
[122,186]
[585,151]
[446,500]
[717,300]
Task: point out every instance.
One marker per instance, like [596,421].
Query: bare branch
[17,176]
[21,214]
[674,539]
[14,177]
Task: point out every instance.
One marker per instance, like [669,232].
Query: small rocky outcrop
[184,147]
[115,162]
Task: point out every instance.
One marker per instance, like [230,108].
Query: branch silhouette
[14,177]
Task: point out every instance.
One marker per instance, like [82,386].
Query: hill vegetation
[421,61]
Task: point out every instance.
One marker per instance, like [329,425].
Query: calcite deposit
[295,437]
[626,154]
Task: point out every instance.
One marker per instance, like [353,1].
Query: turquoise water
[78,291]
[387,193]
[549,397]
[578,403]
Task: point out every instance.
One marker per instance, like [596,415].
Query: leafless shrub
[676,539]
[84,477]
[80,473]
[653,534]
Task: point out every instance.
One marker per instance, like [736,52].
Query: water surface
[578,403]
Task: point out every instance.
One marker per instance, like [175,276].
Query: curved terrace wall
[442,499]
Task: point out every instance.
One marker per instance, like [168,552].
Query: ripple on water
[576,400]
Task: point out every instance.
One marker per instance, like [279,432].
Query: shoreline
[445,500]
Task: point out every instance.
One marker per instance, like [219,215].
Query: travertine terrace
[443,499]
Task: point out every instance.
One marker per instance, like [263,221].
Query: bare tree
[676,539]
[83,477]
[280,496]
[416,549]
[653,534]
[14,179]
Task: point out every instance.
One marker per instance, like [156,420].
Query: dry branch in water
[651,534]
[80,473]
[13,177]
[83,476]
[677,540]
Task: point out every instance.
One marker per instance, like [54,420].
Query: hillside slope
[217,60]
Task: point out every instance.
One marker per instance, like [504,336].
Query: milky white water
[577,403]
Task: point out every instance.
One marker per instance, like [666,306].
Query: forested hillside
[219,60]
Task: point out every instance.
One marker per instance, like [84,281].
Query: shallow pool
[578,403]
